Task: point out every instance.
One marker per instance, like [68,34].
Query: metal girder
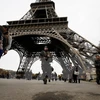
[41,25]
[26,61]
[86,49]
[60,31]
[47,8]
[42,0]
[49,32]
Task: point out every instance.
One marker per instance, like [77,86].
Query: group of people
[47,69]
[97,66]
[46,58]
[74,76]
[5,41]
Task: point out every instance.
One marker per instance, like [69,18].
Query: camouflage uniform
[45,63]
[5,41]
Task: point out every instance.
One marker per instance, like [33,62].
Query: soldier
[5,41]
[97,66]
[45,64]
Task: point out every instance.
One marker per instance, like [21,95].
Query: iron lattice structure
[41,26]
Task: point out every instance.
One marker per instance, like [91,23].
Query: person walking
[75,75]
[46,58]
[97,66]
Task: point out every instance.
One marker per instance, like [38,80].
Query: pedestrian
[46,59]
[97,66]
[75,75]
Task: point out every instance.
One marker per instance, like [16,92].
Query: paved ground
[13,89]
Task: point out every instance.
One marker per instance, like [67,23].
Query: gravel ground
[12,89]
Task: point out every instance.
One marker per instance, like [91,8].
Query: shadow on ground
[52,96]
[66,96]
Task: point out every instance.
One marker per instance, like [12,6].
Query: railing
[38,21]
[42,0]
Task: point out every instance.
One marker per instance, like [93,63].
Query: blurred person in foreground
[46,59]
[97,66]
[5,41]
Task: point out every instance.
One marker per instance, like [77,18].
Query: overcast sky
[83,17]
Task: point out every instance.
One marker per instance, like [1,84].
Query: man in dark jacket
[97,66]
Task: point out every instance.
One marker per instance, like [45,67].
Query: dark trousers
[1,52]
[98,75]
[75,78]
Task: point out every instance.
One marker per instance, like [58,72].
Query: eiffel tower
[41,26]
